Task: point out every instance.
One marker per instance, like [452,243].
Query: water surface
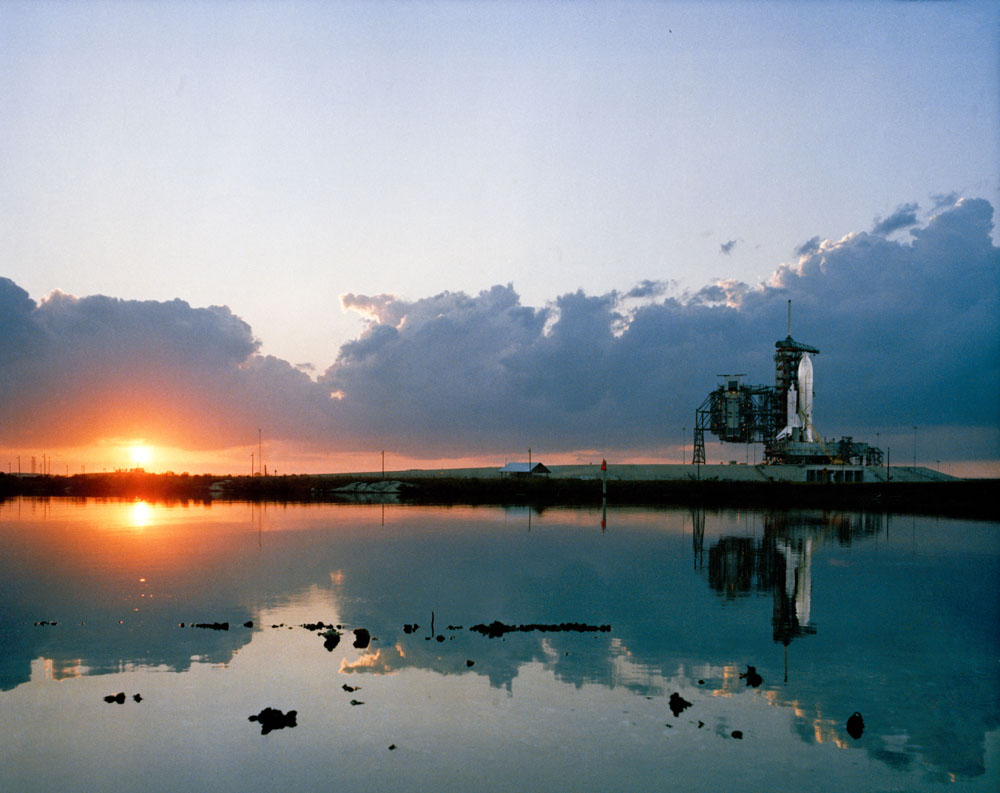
[892,617]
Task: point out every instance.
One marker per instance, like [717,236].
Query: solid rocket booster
[806,395]
[792,412]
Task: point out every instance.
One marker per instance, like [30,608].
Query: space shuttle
[800,403]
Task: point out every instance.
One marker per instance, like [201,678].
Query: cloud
[909,335]
[904,216]
[944,200]
[647,289]
[727,247]
[80,369]
[808,247]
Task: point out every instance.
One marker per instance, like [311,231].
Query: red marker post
[604,494]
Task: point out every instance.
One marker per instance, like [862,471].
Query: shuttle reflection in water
[781,563]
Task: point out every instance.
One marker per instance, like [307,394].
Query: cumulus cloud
[647,289]
[80,369]
[944,200]
[808,247]
[909,335]
[904,216]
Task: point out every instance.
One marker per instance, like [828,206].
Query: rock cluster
[496,628]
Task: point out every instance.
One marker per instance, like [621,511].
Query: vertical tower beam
[699,447]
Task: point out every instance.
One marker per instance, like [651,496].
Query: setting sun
[142,455]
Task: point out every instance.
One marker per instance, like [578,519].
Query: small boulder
[678,704]
[751,676]
[274,719]
[855,725]
[362,638]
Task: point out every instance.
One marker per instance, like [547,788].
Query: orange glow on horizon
[290,458]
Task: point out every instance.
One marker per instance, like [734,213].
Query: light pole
[914,445]
[683,444]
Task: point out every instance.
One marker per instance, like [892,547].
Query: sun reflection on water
[141,515]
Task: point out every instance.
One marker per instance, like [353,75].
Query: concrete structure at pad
[738,472]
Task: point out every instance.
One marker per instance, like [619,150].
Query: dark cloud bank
[908,332]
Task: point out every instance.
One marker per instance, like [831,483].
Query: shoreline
[964,498]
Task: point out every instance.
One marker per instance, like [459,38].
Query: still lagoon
[659,649]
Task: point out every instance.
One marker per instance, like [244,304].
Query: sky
[456,230]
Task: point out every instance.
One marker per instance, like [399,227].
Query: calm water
[894,617]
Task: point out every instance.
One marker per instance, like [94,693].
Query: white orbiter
[799,404]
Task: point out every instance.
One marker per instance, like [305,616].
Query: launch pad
[781,418]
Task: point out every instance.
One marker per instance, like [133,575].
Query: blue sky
[272,158]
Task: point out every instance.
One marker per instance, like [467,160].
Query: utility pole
[914,445]
[683,444]
[383,463]
[260,457]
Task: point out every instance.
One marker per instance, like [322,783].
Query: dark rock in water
[248,624]
[737,734]
[439,637]
[454,627]
[119,698]
[137,697]
[213,626]
[316,626]
[392,747]
[350,688]
[408,628]
[274,719]
[700,724]
[678,704]
[331,638]
[362,638]
[46,622]
[855,725]
[751,676]
[701,682]
[470,663]
[356,702]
